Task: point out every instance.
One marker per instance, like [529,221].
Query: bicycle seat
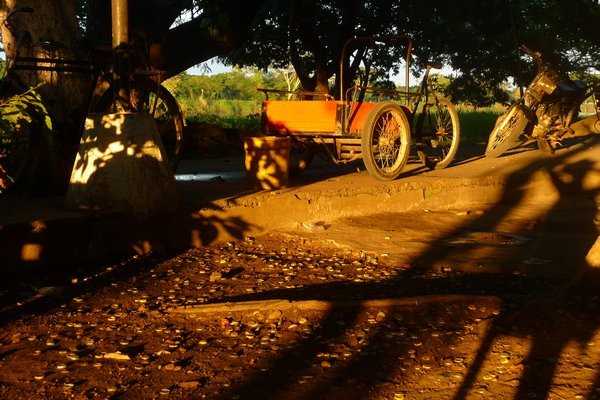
[49,45]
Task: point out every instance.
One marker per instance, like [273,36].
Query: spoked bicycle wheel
[386,141]
[154,99]
[438,133]
[507,130]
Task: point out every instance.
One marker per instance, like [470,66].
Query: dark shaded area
[533,305]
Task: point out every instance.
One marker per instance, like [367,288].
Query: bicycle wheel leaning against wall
[153,98]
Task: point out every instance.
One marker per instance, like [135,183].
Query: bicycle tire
[385,141]
[156,100]
[508,128]
[438,133]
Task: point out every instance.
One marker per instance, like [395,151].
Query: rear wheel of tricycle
[302,152]
[386,141]
[438,134]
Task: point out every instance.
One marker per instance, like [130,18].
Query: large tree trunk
[64,94]
[55,21]
[301,14]
[221,26]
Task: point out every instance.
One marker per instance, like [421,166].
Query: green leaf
[22,110]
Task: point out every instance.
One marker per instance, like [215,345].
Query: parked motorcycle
[544,112]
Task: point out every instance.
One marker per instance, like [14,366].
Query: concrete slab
[217,204]
[122,166]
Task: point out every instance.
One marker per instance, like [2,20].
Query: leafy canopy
[479,40]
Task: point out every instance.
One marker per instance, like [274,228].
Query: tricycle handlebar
[373,39]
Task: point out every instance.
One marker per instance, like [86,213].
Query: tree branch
[216,31]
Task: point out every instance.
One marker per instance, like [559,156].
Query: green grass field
[475,124]
[239,114]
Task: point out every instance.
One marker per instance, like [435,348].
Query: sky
[215,68]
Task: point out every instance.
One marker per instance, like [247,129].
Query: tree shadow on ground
[122,182]
[378,361]
[567,314]
[111,250]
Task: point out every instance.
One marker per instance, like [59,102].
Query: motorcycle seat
[572,86]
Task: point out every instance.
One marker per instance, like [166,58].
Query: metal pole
[120,42]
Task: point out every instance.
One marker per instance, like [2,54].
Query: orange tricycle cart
[377,131]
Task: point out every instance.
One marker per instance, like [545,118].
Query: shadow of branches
[548,308]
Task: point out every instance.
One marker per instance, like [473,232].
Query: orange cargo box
[312,116]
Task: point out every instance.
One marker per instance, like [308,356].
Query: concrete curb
[47,236]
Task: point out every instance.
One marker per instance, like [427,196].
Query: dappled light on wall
[121,167]
[267,160]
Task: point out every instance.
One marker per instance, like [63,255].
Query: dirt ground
[480,300]
[496,301]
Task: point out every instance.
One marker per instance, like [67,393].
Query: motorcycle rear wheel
[507,130]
